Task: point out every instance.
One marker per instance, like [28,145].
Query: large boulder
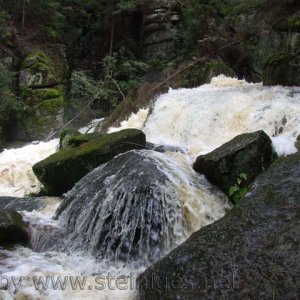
[40,69]
[135,209]
[42,78]
[249,154]
[282,69]
[12,228]
[251,253]
[44,114]
[60,171]
[77,140]
[132,203]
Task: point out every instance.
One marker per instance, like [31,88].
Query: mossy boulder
[12,228]
[38,70]
[78,140]
[65,137]
[249,154]
[33,97]
[60,171]
[282,69]
[251,253]
[71,138]
[44,117]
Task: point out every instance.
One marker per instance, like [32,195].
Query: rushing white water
[198,119]
[16,175]
[203,118]
[134,121]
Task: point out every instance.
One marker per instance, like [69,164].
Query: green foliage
[9,104]
[120,76]
[83,86]
[200,22]
[4,18]
[241,6]
[239,190]
[126,5]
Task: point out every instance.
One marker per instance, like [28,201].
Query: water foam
[16,175]
[203,118]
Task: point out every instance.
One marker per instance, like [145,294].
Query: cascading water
[16,175]
[127,213]
[137,208]
[203,118]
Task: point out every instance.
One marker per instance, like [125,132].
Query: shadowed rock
[251,253]
[249,153]
[12,228]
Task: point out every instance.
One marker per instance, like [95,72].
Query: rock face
[252,253]
[249,154]
[282,69]
[160,30]
[60,171]
[41,81]
[12,228]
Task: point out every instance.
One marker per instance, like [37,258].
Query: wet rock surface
[251,253]
[12,228]
[248,154]
[60,171]
[126,210]
[20,204]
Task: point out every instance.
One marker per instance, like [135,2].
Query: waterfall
[138,207]
[16,176]
[206,117]
[203,118]
[131,211]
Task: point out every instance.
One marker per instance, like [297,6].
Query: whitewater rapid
[16,176]
[203,118]
[199,120]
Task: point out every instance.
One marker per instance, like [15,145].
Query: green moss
[39,70]
[65,137]
[41,119]
[36,96]
[60,171]
[50,106]
[78,140]
[37,57]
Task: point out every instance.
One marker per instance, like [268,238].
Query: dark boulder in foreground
[251,253]
[60,171]
[249,154]
[12,228]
